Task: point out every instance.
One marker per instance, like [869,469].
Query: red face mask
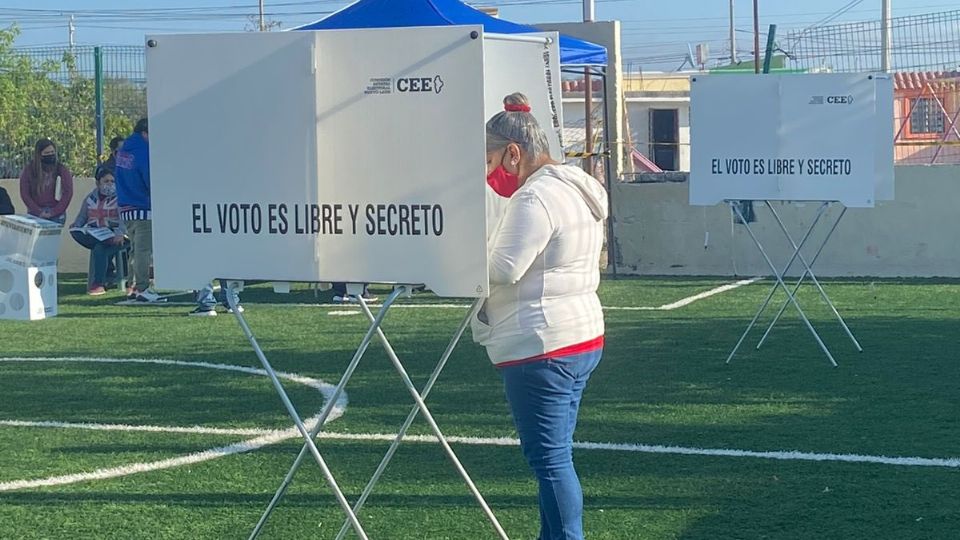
[503,182]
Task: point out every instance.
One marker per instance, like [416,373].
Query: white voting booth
[803,138]
[29,247]
[354,156]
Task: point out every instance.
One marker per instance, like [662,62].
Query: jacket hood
[134,143]
[589,188]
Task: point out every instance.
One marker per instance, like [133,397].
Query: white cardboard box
[30,240]
[27,293]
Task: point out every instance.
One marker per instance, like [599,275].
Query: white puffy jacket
[544,267]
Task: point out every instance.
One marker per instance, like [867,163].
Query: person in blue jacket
[133,198]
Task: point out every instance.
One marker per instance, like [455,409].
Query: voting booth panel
[534,70]
[792,137]
[330,156]
[884,132]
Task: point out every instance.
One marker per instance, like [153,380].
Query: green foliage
[55,98]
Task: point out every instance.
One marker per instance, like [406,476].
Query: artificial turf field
[704,447]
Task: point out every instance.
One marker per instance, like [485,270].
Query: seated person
[99,229]
[6,205]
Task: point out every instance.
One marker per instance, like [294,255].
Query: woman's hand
[117,239]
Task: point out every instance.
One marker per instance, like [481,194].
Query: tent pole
[608,174]
[588,121]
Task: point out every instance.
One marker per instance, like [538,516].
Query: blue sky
[655,32]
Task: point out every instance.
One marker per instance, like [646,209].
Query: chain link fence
[928,42]
[79,97]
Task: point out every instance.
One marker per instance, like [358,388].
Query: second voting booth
[824,138]
[354,155]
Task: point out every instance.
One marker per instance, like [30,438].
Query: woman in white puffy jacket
[542,325]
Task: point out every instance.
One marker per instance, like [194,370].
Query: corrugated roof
[918,80]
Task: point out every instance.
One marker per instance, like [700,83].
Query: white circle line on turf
[264,439]
[508,441]
[93,426]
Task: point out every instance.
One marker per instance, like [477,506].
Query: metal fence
[79,97]
[929,42]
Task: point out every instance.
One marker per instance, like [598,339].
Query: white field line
[666,307]
[133,468]
[262,439]
[508,441]
[195,430]
[706,294]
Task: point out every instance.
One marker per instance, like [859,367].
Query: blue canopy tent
[399,13]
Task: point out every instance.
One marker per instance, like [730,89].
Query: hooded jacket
[133,178]
[544,268]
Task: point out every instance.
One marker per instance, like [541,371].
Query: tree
[44,99]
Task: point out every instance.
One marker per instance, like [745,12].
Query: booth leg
[309,445]
[413,414]
[434,427]
[773,290]
[791,298]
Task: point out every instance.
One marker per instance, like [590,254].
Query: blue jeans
[206,299]
[544,398]
[101,257]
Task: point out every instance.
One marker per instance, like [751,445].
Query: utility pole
[756,36]
[886,25]
[262,24]
[733,37]
[589,12]
[72,29]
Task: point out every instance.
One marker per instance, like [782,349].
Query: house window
[665,138]
[926,117]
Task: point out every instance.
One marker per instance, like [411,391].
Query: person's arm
[32,206]
[66,192]
[143,166]
[119,232]
[6,205]
[524,232]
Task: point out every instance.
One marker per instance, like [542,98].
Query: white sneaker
[230,310]
[149,297]
[352,299]
[203,312]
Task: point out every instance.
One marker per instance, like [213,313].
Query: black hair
[103,171]
[115,143]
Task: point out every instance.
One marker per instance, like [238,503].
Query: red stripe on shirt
[570,350]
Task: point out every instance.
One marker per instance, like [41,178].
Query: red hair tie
[516,108]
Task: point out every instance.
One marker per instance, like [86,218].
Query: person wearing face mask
[99,229]
[46,185]
[542,324]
